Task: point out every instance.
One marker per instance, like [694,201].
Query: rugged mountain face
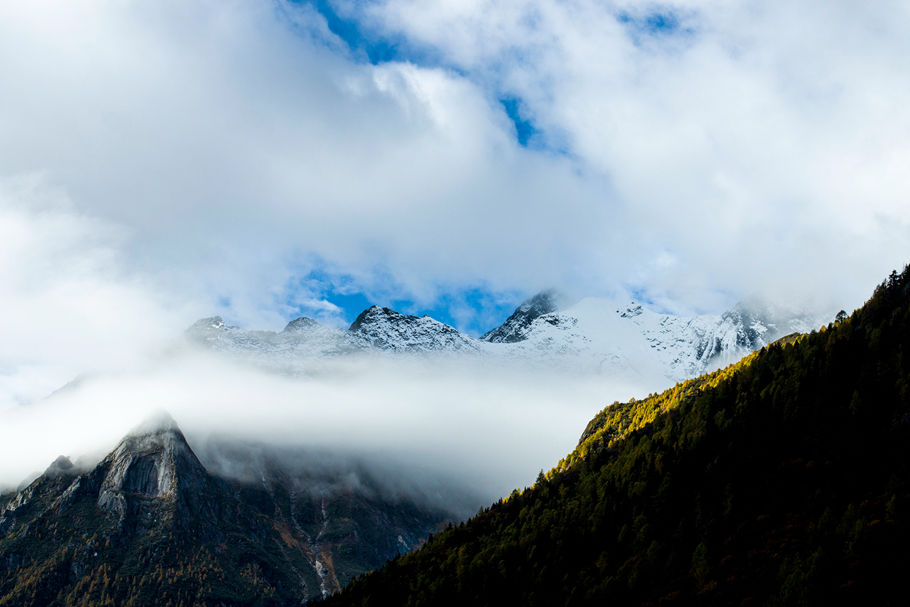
[149,525]
[781,480]
[385,329]
[592,335]
[516,326]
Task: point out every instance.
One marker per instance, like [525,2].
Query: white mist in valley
[489,427]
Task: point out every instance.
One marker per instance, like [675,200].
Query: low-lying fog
[487,427]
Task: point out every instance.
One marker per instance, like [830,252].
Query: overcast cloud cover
[163,161]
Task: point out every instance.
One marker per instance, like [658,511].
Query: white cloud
[233,142]
[68,306]
[210,151]
[490,427]
[760,143]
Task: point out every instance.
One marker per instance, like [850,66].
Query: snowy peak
[516,326]
[374,315]
[386,329]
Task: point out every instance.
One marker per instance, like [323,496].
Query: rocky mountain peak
[386,329]
[516,326]
[153,461]
[374,314]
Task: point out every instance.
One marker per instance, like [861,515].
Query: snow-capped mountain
[593,334]
[635,339]
[304,342]
[385,329]
[516,326]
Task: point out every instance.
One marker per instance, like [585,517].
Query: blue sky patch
[524,128]
[658,25]
[364,45]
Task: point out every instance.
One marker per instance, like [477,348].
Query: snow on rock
[516,326]
[592,335]
[386,329]
[606,337]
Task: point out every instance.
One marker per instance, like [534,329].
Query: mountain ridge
[595,335]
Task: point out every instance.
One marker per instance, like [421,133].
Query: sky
[263,159]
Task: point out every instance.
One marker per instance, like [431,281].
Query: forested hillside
[781,480]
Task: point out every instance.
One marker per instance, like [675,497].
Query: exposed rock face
[516,326]
[152,462]
[149,523]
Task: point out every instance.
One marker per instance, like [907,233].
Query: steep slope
[149,525]
[516,326]
[782,480]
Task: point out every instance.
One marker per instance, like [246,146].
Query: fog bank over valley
[417,424]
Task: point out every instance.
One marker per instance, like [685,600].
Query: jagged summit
[152,461]
[386,329]
[516,326]
[374,314]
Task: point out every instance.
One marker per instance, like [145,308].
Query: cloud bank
[753,145]
[203,157]
[488,428]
